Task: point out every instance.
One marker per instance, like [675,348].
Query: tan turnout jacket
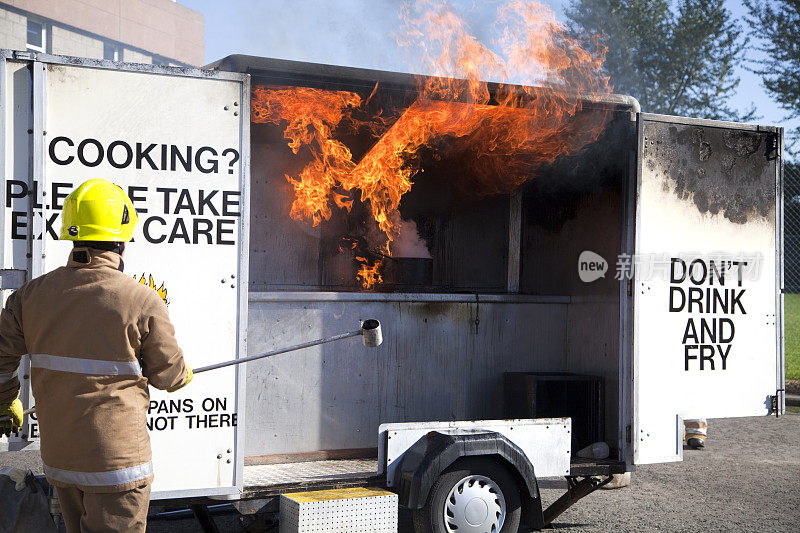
[96,339]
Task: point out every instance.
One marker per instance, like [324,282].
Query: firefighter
[96,340]
[695,432]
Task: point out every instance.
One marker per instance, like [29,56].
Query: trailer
[629,284]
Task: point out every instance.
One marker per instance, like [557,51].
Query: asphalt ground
[746,479]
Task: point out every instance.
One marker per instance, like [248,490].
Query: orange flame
[369,275]
[505,131]
[312,115]
[342,201]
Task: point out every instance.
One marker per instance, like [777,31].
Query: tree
[675,62]
[775,25]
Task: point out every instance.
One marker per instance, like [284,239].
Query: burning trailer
[524,249]
[486,237]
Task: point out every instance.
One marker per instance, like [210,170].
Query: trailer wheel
[475,495]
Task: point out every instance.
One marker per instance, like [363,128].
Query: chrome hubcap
[475,504]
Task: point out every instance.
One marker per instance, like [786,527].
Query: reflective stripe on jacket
[96,339]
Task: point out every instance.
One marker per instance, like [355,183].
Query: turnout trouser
[695,428]
[118,512]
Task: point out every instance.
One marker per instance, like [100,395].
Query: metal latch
[776,402]
[11,278]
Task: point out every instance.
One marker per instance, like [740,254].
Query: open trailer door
[707,278]
[177,140]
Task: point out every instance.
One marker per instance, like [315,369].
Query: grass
[791,319]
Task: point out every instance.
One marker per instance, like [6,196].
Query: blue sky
[360,33]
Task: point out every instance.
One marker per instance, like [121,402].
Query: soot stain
[454,310]
[725,172]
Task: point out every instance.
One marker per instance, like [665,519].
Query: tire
[478,480]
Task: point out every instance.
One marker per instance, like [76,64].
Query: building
[161,32]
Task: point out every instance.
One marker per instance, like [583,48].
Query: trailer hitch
[575,491]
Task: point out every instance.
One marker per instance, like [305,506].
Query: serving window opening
[381,189]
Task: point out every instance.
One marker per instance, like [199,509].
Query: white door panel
[705,285]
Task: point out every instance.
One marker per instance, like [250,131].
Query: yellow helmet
[98,210]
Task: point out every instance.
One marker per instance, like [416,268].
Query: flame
[342,201]
[312,115]
[503,131]
[369,274]
[162,291]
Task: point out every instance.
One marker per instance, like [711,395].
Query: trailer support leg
[576,491]
[205,519]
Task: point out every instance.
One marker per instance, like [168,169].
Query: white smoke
[407,242]
[355,33]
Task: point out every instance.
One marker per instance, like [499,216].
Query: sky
[361,33]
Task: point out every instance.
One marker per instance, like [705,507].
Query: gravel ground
[746,479]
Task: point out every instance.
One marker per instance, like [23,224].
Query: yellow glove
[10,417]
[189,376]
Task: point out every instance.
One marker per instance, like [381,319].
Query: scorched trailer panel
[707,286]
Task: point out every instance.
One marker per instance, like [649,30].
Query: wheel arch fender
[436,451]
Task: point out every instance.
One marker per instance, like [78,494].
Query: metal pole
[276,352]
[251,358]
[370,330]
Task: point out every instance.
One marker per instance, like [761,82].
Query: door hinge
[772,151]
[776,402]
[628,434]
